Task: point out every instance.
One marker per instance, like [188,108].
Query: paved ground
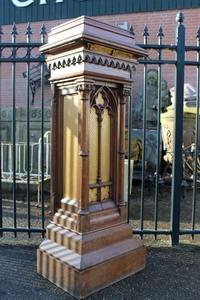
[171,273]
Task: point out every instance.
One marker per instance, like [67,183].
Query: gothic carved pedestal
[88,244]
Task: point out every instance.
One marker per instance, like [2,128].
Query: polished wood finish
[56,150]
[109,105]
[83,264]
[88,244]
[84,98]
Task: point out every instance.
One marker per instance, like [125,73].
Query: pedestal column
[84,91]
[88,244]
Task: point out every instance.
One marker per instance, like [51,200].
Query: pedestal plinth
[83,264]
[88,244]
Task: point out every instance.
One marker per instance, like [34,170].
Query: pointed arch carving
[103,136]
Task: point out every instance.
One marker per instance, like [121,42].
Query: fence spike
[1,33]
[1,30]
[145,34]
[28,32]
[132,30]
[160,35]
[179,17]
[198,34]
[43,33]
[160,32]
[146,31]
[14,32]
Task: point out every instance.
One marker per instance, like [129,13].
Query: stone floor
[170,274]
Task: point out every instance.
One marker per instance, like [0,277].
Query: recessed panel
[70,147]
[93,148]
[105,147]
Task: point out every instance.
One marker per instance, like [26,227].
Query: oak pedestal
[88,244]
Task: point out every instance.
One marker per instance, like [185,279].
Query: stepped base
[81,270]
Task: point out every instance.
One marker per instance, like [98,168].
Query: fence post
[178,132]
[1,209]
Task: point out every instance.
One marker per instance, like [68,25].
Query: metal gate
[165,196]
[24,162]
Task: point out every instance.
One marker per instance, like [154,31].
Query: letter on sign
[45,1]
[22,4]
[26,3]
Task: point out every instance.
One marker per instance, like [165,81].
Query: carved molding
[92,59]
[126,92]
[109,62]
[84,89]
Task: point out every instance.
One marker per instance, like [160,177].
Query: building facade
[119,13]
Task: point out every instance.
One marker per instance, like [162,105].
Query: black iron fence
[22,159]
[165,191]
[165,197]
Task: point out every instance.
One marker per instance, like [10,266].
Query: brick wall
[168,21]
[138,20]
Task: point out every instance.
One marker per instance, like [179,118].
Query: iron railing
[177,181]
[27,53]
[10,54]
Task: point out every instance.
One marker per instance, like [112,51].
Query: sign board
[21,3]
[24,11]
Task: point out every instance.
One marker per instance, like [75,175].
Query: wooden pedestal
[84,263]
[88,245]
